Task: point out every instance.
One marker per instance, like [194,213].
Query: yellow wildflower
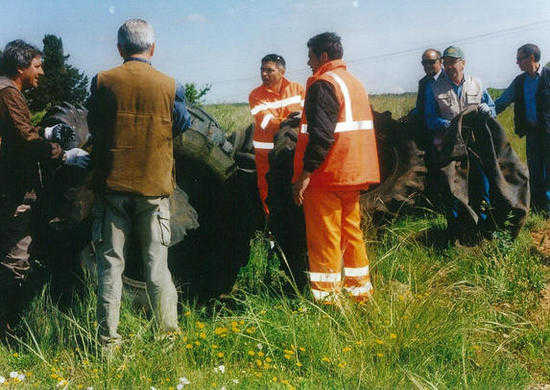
[299,364]
[220,354]
[342,364]
[187,313]
[302,349]
[288,356]
[379,354]
[274,379]
[325,359]
[260,354]
[268,359]
[200,325]
[258,362]
[393,336]
[346,349]
[288,352]
[378,341]
[214,346]
[203,335]
[189,346]
[251,330]
[251,353]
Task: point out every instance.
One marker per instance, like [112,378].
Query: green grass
[441,317]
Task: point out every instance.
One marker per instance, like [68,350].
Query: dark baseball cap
[453,52]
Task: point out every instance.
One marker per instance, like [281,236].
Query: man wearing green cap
[445,99]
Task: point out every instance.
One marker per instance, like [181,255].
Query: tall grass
[440,317]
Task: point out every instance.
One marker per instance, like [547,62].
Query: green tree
[194,95]
[61,82]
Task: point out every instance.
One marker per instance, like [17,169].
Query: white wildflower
[21,377]
[179,386]
[235,381]
[14,374]
[223,388]
[152,388]
[2,380]
[185,381]
[90,388]
[220,369]
[62,382]
[260,346]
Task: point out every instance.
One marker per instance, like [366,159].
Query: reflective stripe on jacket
[352,162]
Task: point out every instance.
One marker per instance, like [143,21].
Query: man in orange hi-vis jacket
[335,158]
[270,104]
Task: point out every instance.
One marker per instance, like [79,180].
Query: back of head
[17,54]
[135,36]
[329,43]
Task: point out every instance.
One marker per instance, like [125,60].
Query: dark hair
[277,59]
[529,49]
[327,42]
[437,53]
[18,54]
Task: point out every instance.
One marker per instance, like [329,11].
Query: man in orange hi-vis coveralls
[270,104]
[335,158]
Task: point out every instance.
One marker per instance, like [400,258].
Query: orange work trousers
[262,167]
[336,249]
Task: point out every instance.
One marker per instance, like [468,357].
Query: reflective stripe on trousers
[336,249]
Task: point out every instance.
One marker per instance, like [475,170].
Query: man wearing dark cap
[445,99]
[530,93]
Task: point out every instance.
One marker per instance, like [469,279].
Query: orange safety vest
[269,108]
[352,162]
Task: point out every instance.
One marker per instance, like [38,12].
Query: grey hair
[135,36]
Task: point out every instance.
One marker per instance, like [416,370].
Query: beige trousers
[149,219]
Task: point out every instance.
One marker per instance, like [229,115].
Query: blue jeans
[538,162]
[478,188]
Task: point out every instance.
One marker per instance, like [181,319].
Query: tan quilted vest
[138,129]
[450,105]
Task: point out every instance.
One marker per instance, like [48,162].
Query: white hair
[135,36]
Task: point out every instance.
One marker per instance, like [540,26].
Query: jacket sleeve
[181,120]
[507,97]
[431,112]
[543,101]
[36,147]
[321,110]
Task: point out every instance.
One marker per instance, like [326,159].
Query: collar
[452,82]
[137,59]
[6,82]
[539,70]
[326,67]
[436,76]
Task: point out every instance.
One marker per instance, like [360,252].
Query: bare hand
[56,150]
[300,187]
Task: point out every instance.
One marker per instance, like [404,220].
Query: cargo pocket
[164,227]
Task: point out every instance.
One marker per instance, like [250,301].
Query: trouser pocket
[163,218]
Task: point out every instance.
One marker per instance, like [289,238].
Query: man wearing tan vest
[135,112]
[335,159]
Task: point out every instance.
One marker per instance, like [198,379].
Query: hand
[300,187]
[293,119]
[77,157]
[484,108]
[56,151]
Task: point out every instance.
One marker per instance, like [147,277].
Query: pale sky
[222,42]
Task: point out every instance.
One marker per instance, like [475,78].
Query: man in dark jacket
[530,93]
[22,152]
[431,62]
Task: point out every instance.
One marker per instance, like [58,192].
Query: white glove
[77,157]
[484,109]
[48,132]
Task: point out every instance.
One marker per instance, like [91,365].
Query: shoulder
[295,86]
[257,93]
[546,73]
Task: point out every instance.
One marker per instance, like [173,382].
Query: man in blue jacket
[530,93]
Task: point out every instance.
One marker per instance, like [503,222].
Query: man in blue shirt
[528,93]
[447,97]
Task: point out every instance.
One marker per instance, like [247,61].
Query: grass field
[441,317]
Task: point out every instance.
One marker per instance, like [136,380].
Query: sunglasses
[428,62]
[521,58]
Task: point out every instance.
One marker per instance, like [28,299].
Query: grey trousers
[149,218]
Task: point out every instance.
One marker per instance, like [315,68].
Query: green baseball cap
[453,52]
